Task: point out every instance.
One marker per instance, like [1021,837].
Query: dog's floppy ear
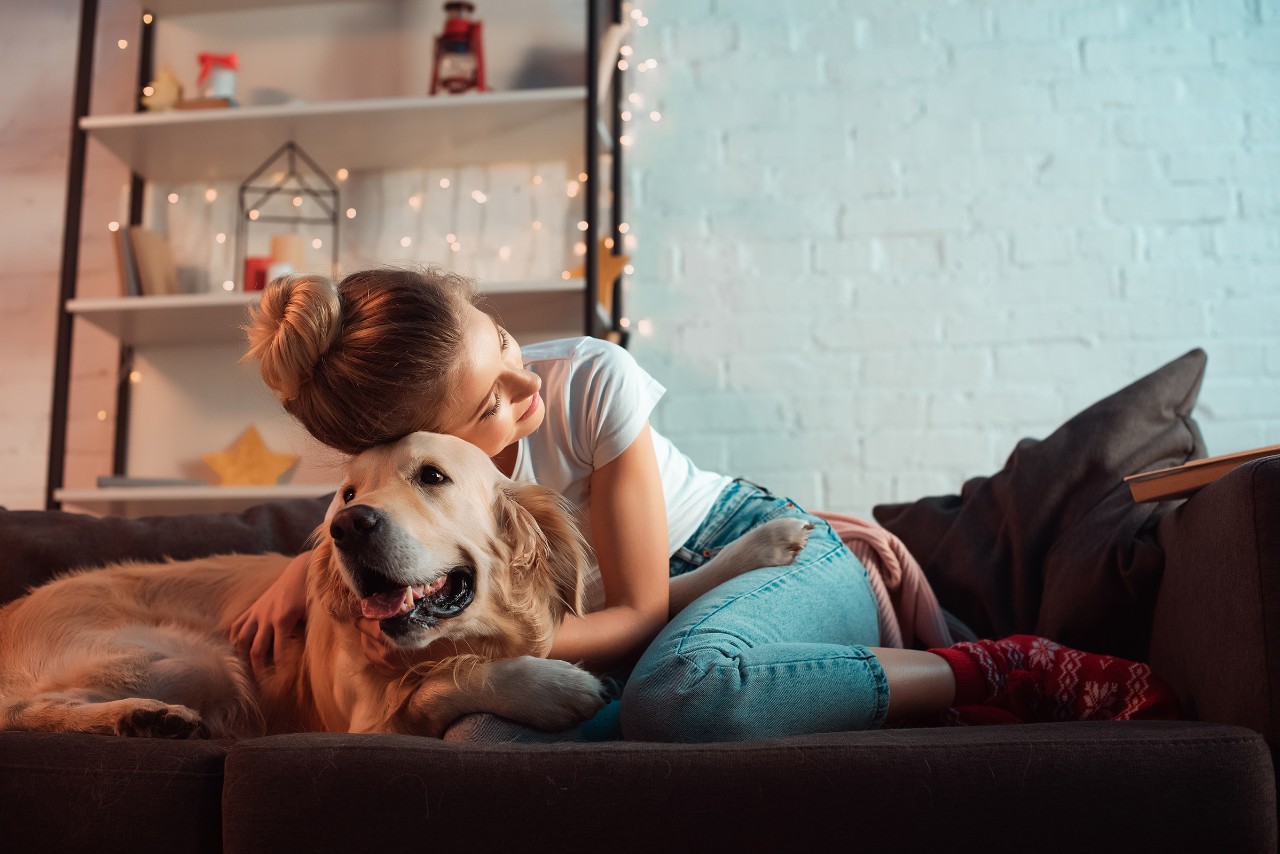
[544,538]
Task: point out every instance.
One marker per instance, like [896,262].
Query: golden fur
[142,649]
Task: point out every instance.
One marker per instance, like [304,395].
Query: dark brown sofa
[1193,587]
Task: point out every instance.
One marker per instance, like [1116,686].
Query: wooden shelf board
[164,500]
[375,133]
[215,318]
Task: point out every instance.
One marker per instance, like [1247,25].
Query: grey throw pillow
[1053,543]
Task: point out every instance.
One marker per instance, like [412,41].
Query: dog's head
[429,538]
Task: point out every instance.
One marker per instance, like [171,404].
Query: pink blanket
[910,616]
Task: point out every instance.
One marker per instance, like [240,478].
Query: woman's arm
[628,520]
[260,633]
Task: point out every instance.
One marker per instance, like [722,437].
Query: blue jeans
[775,651]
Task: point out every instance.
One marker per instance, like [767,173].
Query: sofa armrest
[1216,632]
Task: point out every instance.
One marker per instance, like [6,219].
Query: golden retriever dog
[425,535]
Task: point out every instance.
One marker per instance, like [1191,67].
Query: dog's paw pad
[154,719]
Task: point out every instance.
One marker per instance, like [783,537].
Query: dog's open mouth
[447,596]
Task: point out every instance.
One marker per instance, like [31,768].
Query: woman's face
[496,400]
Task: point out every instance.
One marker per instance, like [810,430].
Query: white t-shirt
[597,401]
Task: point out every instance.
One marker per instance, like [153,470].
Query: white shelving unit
[378,133]
[198,337]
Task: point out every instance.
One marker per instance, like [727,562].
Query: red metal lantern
[459,60]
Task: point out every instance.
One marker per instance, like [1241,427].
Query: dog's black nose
[353,526]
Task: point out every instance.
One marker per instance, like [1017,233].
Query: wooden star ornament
[248,462]
[608,268]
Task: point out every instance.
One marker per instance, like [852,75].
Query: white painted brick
[983,251]
[1041,246]
[874,329]
[907,254]
[1018,62]
[1068,167]
[908,216]
[778,74]
[1252,241]
[1051,361]
[861,177]
[1235,399]
[1165,131]
[1044,207]
[822,149]
[813,450]
[1172,51]
[898,64]
[1026,23]
[856,492]
[959,24]
[1121,90]
[1181,204]
[842,256]
[1110,245]
[1260,202]
[922,369]
[816,218]
[968,97]
[1223,16]
[1263,128]
[725,412]
[1256,47]
[692,41]
[1092,19]
[1245,318]
[1221,166]
[1001,406]
[808,371]
[1142,17]
[1177,244]
[1033,133]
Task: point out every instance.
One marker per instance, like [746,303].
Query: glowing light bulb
[342,174]
[147,18]
[645,327]
[297,201]
[537,225]
[113,226]
[655,116]
[571,190]
[582,225]
[351,213]
[444,183]
[406,241]
[148,90]
[480,197]
[451,238]
[579,249]
[135,377]
[173,198]
[565,275]
[455,246]
[629,269]
[623,228]
[625,139]
[122,44]
[415,202]
[537,179]
[622,65]
[228,285]
[253,214]
[625,50]
[102,415]
[317,244]
[220,237]
[504,253]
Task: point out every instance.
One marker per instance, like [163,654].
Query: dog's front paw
[775,543]
[154,719]
[547,693]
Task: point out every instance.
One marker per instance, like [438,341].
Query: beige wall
[37,58]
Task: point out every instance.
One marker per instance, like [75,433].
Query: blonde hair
[367,360]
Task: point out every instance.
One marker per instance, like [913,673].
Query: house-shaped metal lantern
[288,189]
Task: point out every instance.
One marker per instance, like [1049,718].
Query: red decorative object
[459,60]
[255,272]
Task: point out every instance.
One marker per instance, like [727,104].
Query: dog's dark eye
[431,476]
[348,495]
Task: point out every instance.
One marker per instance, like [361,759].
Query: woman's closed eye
[492,410]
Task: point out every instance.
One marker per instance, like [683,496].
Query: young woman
[776,651]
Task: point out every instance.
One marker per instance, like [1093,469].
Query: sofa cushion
[39,544]
[73,792]
[1138,786]
[1053,543]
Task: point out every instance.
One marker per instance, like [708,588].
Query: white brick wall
[878,241]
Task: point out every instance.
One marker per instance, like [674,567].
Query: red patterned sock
[1035,679]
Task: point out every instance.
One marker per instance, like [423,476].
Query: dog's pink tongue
[384,605]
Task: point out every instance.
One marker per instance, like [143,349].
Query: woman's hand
[261,632]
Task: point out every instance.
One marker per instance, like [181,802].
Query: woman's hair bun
[294,325]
